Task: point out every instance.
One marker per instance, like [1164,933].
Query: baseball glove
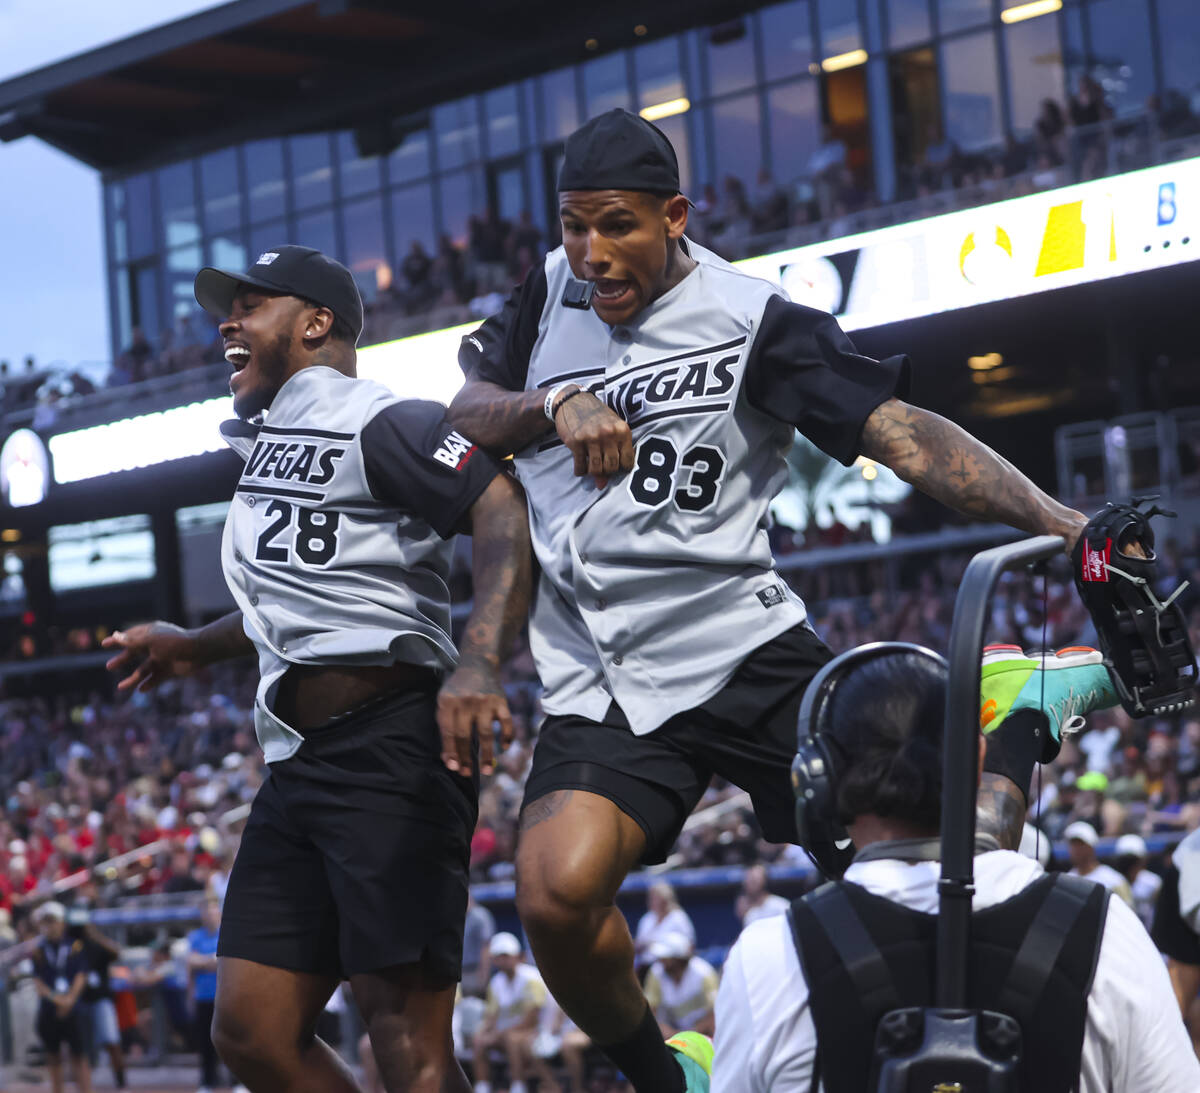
[1144,639]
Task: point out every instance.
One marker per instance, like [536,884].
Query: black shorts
[1171,935]
[746,733]
[356,852]
[54,1031]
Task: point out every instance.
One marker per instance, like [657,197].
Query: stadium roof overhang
[257,68]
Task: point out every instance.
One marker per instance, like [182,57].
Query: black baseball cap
[618,150]
[290,271]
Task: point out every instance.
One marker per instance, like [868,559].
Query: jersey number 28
[315,541]
[655,478]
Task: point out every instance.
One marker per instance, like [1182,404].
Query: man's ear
[318,322]
[677,216]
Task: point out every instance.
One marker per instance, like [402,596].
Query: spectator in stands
[516,995]
[681,988]
[417,268]
[180,876]
[755,901]
[1050,132]
[663,916]
[560,1036]
[449,274]
[525,235]
[1081,848]
[824,168]
[100,953]
[60,968]
[1144,885]
[940,160]
[202,963]
[478,932]
[768,204]
[136,357]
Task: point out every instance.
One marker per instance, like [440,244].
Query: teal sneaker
[694,1053]
[1066,685]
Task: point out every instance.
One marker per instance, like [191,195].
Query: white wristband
[551,398]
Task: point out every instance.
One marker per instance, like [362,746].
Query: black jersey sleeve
[417,462]
[498,352]
[804,371]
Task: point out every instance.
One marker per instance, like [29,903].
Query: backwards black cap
[291,271]
[618,150]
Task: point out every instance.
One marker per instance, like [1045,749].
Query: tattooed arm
[506,421]
[946,462]
[1000,810]
[472,698]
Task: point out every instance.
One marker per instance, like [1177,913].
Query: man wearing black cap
[649,392]
[354,859]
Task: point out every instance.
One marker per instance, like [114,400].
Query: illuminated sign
[1088,232]
[24,469]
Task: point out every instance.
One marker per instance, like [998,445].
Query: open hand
[469,704]
[156,651]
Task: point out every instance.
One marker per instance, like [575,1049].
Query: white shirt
[509,1000]
[1110,878]
[1134,1038]
[650,930]
[772,905]
[682,1004]
[1146,886]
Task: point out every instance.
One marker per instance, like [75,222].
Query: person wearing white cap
[1144,883]
[680,987]
[515,997]
[1081,848]
[60,974]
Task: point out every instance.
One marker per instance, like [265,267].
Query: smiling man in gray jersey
[353,864]
[649,392]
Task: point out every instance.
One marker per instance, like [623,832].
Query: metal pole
[961,744]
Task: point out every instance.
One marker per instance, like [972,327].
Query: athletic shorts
[54,1031]
[355,854]
[1172,936]
[105,1030]
[746,733]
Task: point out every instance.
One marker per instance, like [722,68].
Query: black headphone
[820,757]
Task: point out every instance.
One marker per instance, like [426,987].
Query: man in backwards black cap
[649,393]
[353,863]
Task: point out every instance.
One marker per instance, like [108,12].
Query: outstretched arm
[162,650]
[946,462]
[472,698]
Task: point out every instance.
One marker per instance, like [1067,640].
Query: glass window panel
[123,280]
[463,196]
[509,185]
[656,67]
[606,84]
[221,187]
[312,174]
[268,236]
[537,187]
[959,14]
[265,186]
[529,98]
[410,158]
[794,112]
[316,230]
[786,39]
[177,195]
[366,252]
[737,147]
[675,129]
[1074,55]
[360,174]
[412,219]
[147,315]
[227,252]
[908,22]
[182,264]
[969,77]
[139,211]
[1179,34]
[731,57]
[1121,55]
[1035,69]
[457,127]
[503,121]
[838,22]
[560,108]
[118,222]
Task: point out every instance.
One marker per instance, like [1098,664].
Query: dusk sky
[52,293]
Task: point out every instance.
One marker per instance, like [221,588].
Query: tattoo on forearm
[499,420]
[544,808]
[950,465]
[1000,810]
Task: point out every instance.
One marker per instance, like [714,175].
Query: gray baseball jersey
[654,589]
[336,546]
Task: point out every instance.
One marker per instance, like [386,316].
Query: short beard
[272,366]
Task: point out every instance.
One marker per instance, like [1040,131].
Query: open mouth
[610,292]
[238,356]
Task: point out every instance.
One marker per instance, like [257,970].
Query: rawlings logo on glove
[1144,639]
